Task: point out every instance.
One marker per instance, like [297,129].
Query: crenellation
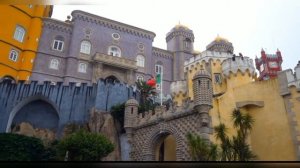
[238,63]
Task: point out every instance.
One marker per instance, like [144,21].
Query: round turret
[201,74]
[238,64]
[131,112]
[202,89]
[131,102]
[221,45]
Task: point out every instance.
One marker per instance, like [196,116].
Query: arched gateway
[161,135]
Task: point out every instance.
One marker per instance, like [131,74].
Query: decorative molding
[162,53]
[241,104]
[84,16]
[57,25]
[175,33]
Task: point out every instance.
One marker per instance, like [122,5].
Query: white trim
[85,47]
[59,46]
[19,33]
[82,67]
[13,55]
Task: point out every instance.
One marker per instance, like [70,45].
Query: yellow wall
[271,138]
[30,20]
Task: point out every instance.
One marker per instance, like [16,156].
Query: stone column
[97,72]
[129,77]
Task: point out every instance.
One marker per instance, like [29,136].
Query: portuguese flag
[158,78]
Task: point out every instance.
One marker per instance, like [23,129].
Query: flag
[158,78]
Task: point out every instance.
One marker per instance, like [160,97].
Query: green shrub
[15,147]
[85,146]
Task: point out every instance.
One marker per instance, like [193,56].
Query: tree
[146,92]
[15,147]
[236,148]
[117,111]
[200,149]
[85,146]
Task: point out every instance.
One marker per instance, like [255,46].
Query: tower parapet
[131,113]
[238,63]
[268,65]
[178,87]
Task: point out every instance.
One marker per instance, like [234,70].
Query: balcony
[115,61]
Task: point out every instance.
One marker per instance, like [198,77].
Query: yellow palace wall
[270,138]
[30,20]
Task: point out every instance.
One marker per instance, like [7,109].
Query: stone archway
[111,79]
[165,147]
[35,103]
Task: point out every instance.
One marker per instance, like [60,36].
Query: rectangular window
[158,69]
[218,78]
[157,86]
[58,45]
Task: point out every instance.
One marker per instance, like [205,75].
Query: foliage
[15,147]
[147,92]
[85,146]
[236,148]
[200,149]
[117,111]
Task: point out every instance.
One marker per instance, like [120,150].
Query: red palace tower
[268,65]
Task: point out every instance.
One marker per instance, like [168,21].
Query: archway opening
[37,118]
[111,79]
[165,148]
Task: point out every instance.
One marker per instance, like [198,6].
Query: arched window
[58,43]
[114,51]
[140,61]
[19,33]
[187,43]
[140,78]
[13,55]
[82,67]
[54,64]
[159,67]
[85,47]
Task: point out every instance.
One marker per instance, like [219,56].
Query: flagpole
[161,87]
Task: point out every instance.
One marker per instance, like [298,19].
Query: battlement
[238,63]
[291,78]
[161,113]
[206,56]
[178,87]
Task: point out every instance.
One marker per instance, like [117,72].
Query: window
[157,86]
[187,43]
[54,64]
[158,69]
[140,78]
[13,55]
[19,33]
[218,78]
[85,47]
[116,36]
[58,43]
[82,67]
[140,61]
[114,51]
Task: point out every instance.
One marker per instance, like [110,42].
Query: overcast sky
[249,24]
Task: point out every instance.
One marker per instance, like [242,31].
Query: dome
[201,73]
[131,102]
[218,39]
[180,26]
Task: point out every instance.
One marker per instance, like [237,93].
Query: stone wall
[71,103]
